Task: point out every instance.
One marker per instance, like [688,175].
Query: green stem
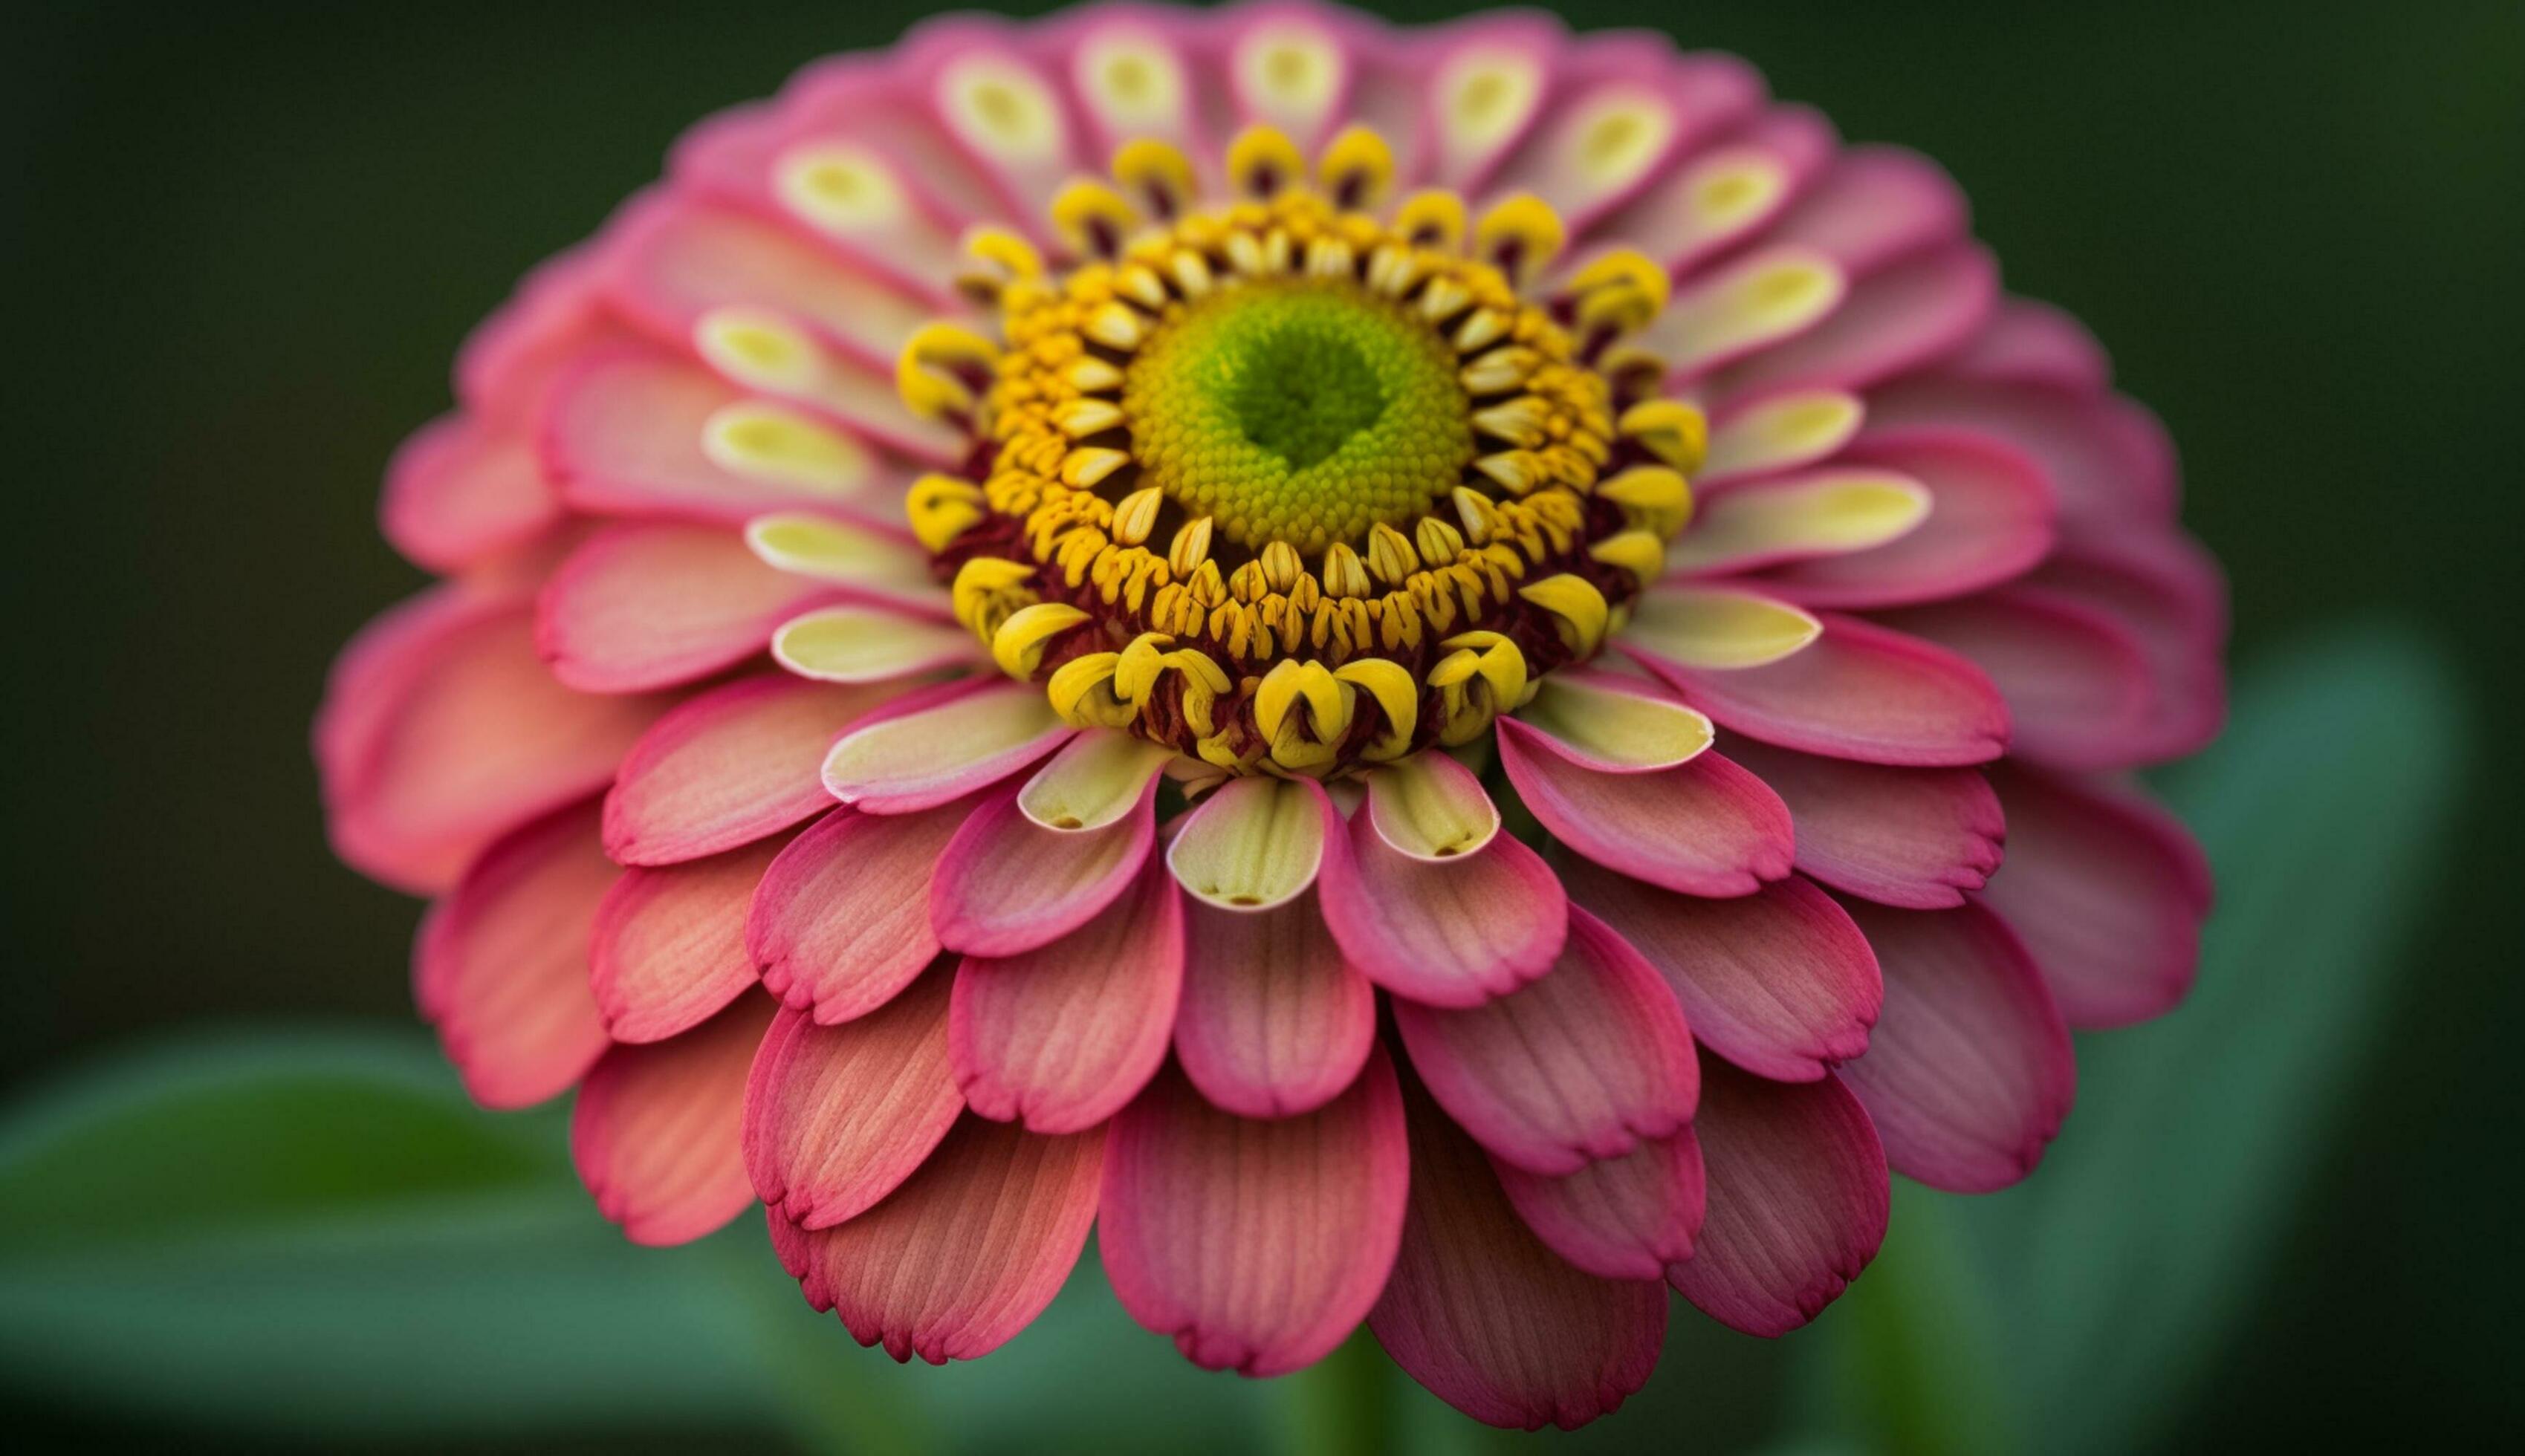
[1343,1405]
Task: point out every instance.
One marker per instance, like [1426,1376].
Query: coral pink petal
[729,767]
[1917,838]
[1779,981]
[1873,205]
[656,1130]
[656,605]
[1968,1072]
[1860,691]
[1894,321]
[553,317]
[441,731]
[1486,1316]
[1258,1244]
[1059,1038]
[1007,885]
[460,492]
[1989,519]
[670,944]
[2108,462]
[1580,1065]
[2107,891]
[841,920]
[627,434]
[2030,342]
[836,1117]
[502,963]
[1798,1200]
[965,1253]
[1449,932]
[1703,827]
[366,688]
[1273,1020]
[1622,1218]
[2077,685]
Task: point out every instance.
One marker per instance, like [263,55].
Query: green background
[241,251]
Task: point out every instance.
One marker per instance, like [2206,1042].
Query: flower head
[1389,664]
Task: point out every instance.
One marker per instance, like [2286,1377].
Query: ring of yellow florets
[1288,486]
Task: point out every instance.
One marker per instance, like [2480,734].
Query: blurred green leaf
[2082,1304]
[2322,810]
[318,1231]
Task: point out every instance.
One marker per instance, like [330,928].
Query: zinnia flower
[1386,664]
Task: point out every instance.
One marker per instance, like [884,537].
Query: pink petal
[1024,174]
[656,1129]
[625,432]
[1894,321]
[1459,55]
[965,1253]
[554,315]
[1099,42]
[1917,838]
[2030,342]
[1703,827]
[1622,1218]
[1689,97]
[1061,1037]
[670,944]
[1273,1021]
[441,731]
[1487,1318]
[754,157]
[729,767]
[1779,981]
[1007,885]
[672,260]
[1968,1072]
[1258,1244]
[871,104]
[2166,594]
[1580,1065]
[460,492]
[1858,692]
[1873,205]
[2108,462]
[931,748]
[836,1117]
[501,967]
[2077,685]
[1243,42]
[1989,519]
[2106,889]
[1450,932]
[841,920]
[1674,222]
[653,606]
[1798,1199]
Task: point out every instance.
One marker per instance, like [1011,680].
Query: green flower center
[1303,411]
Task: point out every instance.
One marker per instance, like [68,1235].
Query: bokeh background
[241,246]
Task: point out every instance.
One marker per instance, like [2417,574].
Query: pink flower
[1389,663]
